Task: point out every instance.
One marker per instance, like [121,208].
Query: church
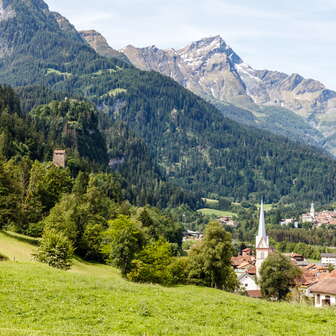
[247,267]
[262,242]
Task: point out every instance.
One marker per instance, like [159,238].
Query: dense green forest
[148,120]
[73,125]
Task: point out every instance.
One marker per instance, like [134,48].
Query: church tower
[312,211]
[262,242]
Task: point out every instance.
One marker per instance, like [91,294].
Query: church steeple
[262,238]
[312,211]
[262,242]
[262,228]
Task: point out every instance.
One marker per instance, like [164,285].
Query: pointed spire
[262,226]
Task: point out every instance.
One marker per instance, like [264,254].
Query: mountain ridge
[210,68]
[98,42]
[188,138]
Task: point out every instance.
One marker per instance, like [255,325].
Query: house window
[262,255]
[326,301]
[318,299]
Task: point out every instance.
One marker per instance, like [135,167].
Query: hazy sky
[285,35]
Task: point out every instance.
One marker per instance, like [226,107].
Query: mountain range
[155,129]
[290,105]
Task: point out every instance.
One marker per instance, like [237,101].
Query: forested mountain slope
[299,108]
[194,145]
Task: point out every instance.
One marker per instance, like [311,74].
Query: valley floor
[93,299]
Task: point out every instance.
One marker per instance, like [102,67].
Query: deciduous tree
[277,275]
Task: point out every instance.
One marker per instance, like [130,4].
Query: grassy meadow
[93,299]
[215,212]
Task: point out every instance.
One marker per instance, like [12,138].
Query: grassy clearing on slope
[267,207]
[93,299]
[16,247]
[214,212]
[20,248]
[210,202]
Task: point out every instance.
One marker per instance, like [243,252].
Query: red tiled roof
[254,293]
[327,275]
[252,270]
[237,261]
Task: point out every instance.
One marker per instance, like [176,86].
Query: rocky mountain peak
[99,43]
[208,50]
[208,43]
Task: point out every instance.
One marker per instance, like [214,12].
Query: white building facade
[324,293]
[248,282]
[328,259]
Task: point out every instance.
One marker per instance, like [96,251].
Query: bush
[55,250]
[151,264]
[179,270]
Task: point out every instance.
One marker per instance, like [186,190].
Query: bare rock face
[210,68]
[205,67]
[100,45]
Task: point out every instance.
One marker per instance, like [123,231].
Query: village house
[227,220]
[192,235]
[296,259]
[287,221]
[247,252]
[328,259]
[248,284]
[324,292]
[311,274]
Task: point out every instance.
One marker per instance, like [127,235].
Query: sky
[293,36]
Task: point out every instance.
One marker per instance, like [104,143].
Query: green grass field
[210,202]
[94,300]
[267,207]
[214,212]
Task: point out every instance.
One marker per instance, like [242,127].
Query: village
[317,283]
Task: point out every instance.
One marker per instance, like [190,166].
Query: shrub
[151,264]
[179,270]
[55,250]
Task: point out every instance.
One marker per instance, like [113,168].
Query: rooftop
[326,286]
[328,255]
